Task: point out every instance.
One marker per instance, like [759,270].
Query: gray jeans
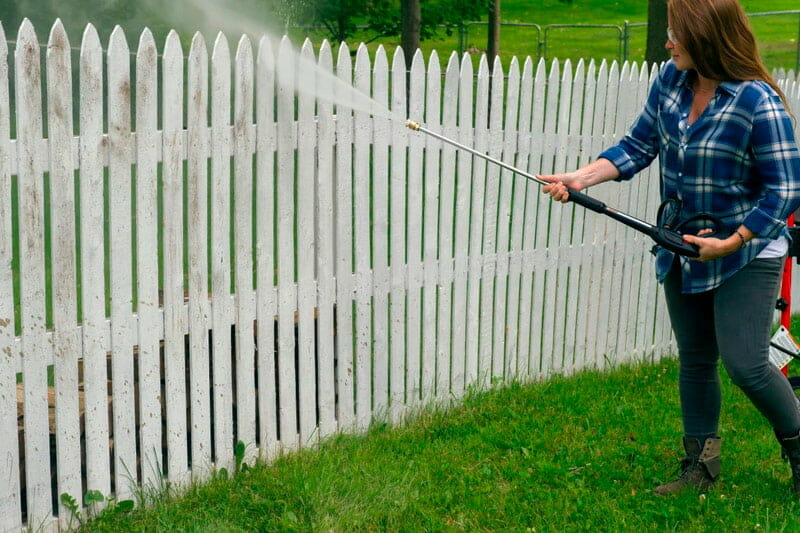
[732,323]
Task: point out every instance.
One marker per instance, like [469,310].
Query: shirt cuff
[620,159]
[763,224]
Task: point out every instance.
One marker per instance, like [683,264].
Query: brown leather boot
[699,469]
[791,451]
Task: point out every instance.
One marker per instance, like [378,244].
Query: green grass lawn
[576,454]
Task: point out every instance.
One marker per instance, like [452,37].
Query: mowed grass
[570,454]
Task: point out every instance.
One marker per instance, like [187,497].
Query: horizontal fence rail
[211,255]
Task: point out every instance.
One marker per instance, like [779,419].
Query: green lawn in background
[777,34]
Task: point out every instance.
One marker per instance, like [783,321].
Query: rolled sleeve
[778,161]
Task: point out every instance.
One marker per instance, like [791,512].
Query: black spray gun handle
[667,238]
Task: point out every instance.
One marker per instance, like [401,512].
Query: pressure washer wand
[669,239]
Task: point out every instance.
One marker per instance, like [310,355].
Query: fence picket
[92,255]
[66,338]
[266,301]
[550,227]
[221,305]
[503,345]
[626,199]
[516,346]
[287,290]
[344,250]
[306,287]
[444,365]
[585,279]
[380,237]
[147,304]
[10,504]
[243,141]
[120,256]
[610,228]
[197,220]
[596,228]
[479,363]
[430,349]
[325,250]
[414,259]
[489,247]
[36,351]
[574,293]
[174,327]
[463,186]
[362,187]
[530,299]
[397,223]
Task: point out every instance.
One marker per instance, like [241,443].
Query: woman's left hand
[712,248]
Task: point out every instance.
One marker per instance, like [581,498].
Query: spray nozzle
[410,124]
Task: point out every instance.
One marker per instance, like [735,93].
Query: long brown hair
[717,36]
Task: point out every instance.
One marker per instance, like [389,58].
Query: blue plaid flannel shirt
[739,162]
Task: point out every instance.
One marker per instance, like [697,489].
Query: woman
[726,148]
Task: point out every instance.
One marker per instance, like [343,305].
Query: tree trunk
[493,42]
[656,31]
[410,20]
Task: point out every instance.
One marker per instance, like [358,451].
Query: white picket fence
[366,269]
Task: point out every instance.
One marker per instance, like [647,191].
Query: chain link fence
[778,33]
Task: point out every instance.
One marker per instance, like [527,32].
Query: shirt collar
[730,87]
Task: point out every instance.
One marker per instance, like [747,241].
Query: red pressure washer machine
[783,346]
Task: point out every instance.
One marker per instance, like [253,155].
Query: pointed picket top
[417,59]
[399,59]
[27,43]
[362,55]
[497,67]
[567,69]
[325,45]
[198,46]
[90,43]
[343,59]
[26,30]
[244,49]
[221,47]
[285,43]
[527,67]
[513,67]
[285,64]
[266,55]
[307,45]
[117,44]
[172,46]
[362,69]
[58,42]
[433,61]
[654,70]
[325,83]
[613,67]
[146,41]
[466,65]
[380,52]
[581,66]
[380,68]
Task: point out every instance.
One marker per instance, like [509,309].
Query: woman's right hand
[559,185]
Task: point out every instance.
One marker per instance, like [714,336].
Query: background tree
[656,31]
[411,19]
[493,39]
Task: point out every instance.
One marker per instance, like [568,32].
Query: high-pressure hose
[667,238]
